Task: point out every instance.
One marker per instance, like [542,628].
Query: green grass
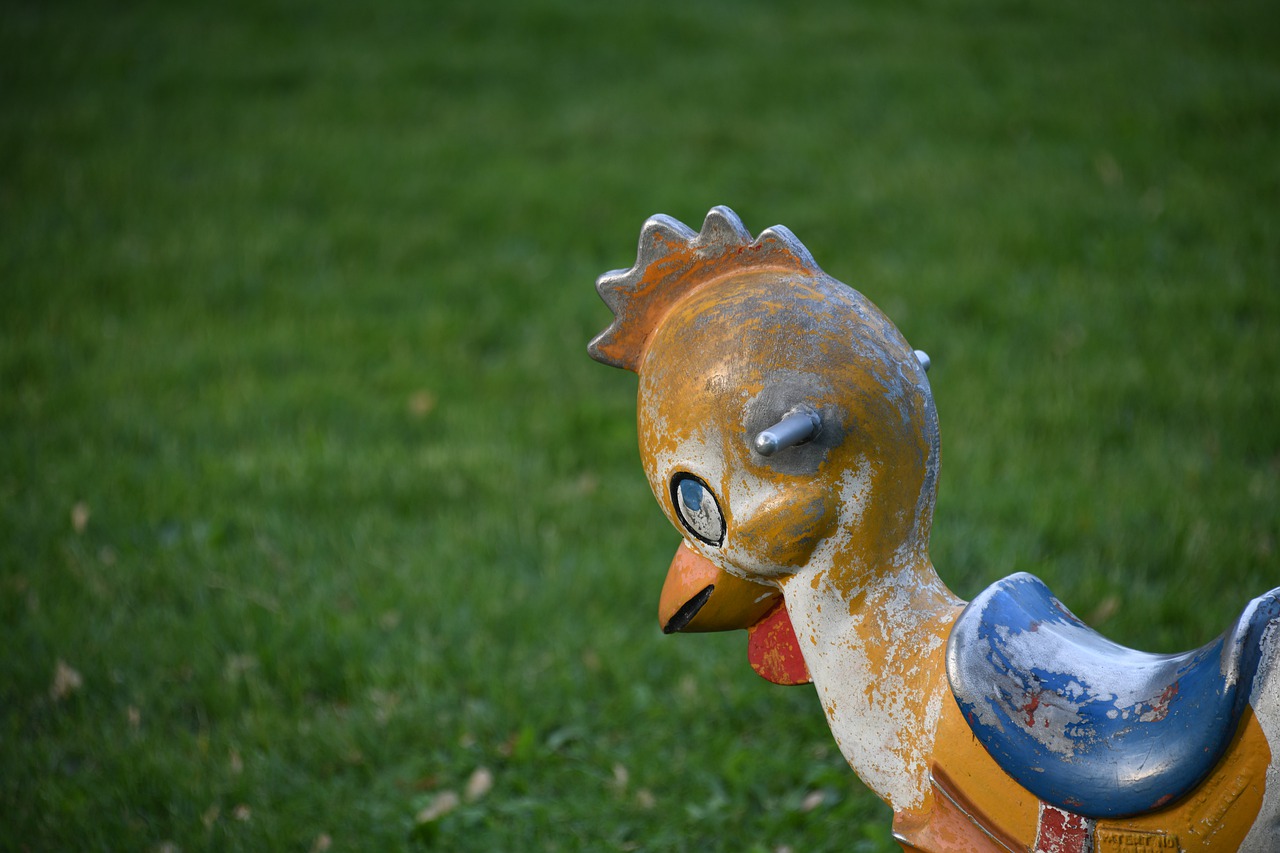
[304,470]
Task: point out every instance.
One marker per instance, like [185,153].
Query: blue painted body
[1084,723]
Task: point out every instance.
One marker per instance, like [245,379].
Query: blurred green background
[318,528]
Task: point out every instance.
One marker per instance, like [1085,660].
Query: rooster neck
[876,654]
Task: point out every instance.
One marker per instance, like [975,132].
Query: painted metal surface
[815,538]
[1086,724]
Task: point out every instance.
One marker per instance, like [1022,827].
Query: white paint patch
[1123,685]
[855,493]
[1264,837]
[696,456]
[883,723]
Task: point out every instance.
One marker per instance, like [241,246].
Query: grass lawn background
[314,512]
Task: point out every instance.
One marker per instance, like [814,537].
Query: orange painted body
[821,550]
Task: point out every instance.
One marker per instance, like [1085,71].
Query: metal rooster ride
[788,431]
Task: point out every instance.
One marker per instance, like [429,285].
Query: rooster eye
[697,509]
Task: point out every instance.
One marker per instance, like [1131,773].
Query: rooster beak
[698,596]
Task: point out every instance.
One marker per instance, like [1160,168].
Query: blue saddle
[1088,725]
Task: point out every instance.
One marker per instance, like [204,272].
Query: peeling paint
[729,335]
[1264,836]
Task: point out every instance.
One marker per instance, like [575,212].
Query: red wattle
[774,650]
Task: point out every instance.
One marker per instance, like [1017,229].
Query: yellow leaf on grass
[441,804]
[80,516]
[812,800]
[421,403]
[479,784]
[620,777]
[65,682]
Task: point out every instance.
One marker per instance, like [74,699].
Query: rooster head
[786,427]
